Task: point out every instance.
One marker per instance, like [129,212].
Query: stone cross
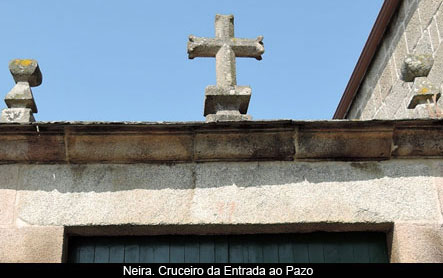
[226,101]
[20,101]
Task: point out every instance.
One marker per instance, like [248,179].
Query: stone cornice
[281,140]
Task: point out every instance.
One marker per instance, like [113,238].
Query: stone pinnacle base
[422,99]
[227,104]
[17,115]
[21,97]
[219,99]
[227,117]
[424,90]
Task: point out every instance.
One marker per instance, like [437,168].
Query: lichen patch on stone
[23,62]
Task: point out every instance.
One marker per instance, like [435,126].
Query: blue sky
[127,60]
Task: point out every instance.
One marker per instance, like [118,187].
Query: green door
[351,247]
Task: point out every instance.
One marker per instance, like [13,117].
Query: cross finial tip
[229,16]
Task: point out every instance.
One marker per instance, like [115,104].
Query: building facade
[62,180]
[366,190]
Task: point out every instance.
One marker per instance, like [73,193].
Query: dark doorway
[350,247]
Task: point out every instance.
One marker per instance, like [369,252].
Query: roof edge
[375,37]
[244,142]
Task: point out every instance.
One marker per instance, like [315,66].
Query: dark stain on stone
[77,172]
[369,167]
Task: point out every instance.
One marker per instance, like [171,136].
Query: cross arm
[252,48]
[203,47]
[208,47]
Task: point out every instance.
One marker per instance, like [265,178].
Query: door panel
[270,248]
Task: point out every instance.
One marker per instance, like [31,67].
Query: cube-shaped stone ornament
[423,91]
[26,70]
[416,65]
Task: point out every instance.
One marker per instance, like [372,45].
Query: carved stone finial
[26,70]
[20,101]
[416,65]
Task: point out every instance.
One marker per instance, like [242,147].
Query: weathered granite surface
[31,244]
[417,242]
[17,115]
[396,196]
[215,193]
